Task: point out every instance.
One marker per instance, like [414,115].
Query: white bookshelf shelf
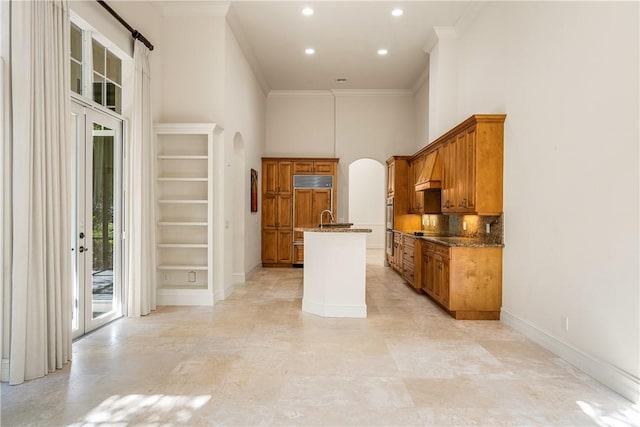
[185,206]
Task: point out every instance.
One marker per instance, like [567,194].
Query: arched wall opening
[240,199]
[367,199]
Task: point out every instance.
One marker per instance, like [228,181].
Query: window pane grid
[104,84]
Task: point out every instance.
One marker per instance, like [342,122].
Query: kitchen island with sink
[334,278]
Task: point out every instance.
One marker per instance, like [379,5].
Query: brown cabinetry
[473,166]
[408,258]
[314,167]
[465,281]
[397,252]
[280,246]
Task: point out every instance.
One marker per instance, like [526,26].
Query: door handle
[81,235]
[83,249]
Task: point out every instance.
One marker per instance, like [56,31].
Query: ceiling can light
[309,51]
[307,11]
[382,52]
[397,12]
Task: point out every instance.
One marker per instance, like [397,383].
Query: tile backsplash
[465,226]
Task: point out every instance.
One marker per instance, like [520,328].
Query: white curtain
[141,222]
[41,189]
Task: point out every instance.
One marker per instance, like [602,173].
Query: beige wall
[566,74]
[350,125]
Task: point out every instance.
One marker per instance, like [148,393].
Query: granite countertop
[335,230]
[455,241]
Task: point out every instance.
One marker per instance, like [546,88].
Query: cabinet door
[411,202]
[269,176]
[429,270]
[285,211]
[285,184]
[303,168]
[448,175]
[285,246]
[302,212]
[269,246]
[391,173]
[321,200]
[444,283]
[323,168]
[269,210]
[468,174]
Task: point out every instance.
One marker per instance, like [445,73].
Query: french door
[97,287]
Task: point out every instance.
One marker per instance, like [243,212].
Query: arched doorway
[240,205]
[367,199]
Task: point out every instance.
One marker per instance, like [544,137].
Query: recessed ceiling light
[309,51]
[382,52]
[307,11]
[397,12]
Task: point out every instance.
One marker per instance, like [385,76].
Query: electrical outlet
[165,277]
[192,276]
[565,323]
[488,228]
[433,222]
[464,225]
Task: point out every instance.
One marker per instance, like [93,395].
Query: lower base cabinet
[276,247]
[465,281]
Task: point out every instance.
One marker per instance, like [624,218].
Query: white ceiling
[346,36]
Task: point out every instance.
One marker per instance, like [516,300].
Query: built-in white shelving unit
[185,212]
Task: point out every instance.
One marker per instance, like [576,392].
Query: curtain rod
[134,33]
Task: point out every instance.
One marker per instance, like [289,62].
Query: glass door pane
[103,220]
[97,220]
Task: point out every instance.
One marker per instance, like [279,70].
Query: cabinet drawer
[302,167]
[323,168]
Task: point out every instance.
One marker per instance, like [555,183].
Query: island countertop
[334,230]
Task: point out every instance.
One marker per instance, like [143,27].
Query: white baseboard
[225,293]
[184,297]
[253,271]
[333,310]
[4,370]
[618,380]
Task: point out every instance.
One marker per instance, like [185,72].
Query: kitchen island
[335,272]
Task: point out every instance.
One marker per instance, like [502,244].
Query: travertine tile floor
[256,359]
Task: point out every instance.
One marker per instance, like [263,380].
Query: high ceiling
[346,36]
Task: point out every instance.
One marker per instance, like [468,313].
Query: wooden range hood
[430,176]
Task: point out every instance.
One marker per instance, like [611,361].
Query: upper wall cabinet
[309,167]
[277,177]
[472,166]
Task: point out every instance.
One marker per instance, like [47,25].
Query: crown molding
[238,32]
[437,34]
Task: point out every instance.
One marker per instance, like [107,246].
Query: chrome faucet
[322,215]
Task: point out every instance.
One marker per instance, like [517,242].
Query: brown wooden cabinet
[472,166]
[277,177]
[314,167]
[280,246]
[465,281]
[408,258]
[397,252]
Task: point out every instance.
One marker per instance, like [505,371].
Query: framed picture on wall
[254,190]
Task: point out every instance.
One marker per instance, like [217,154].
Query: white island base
[335,273]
